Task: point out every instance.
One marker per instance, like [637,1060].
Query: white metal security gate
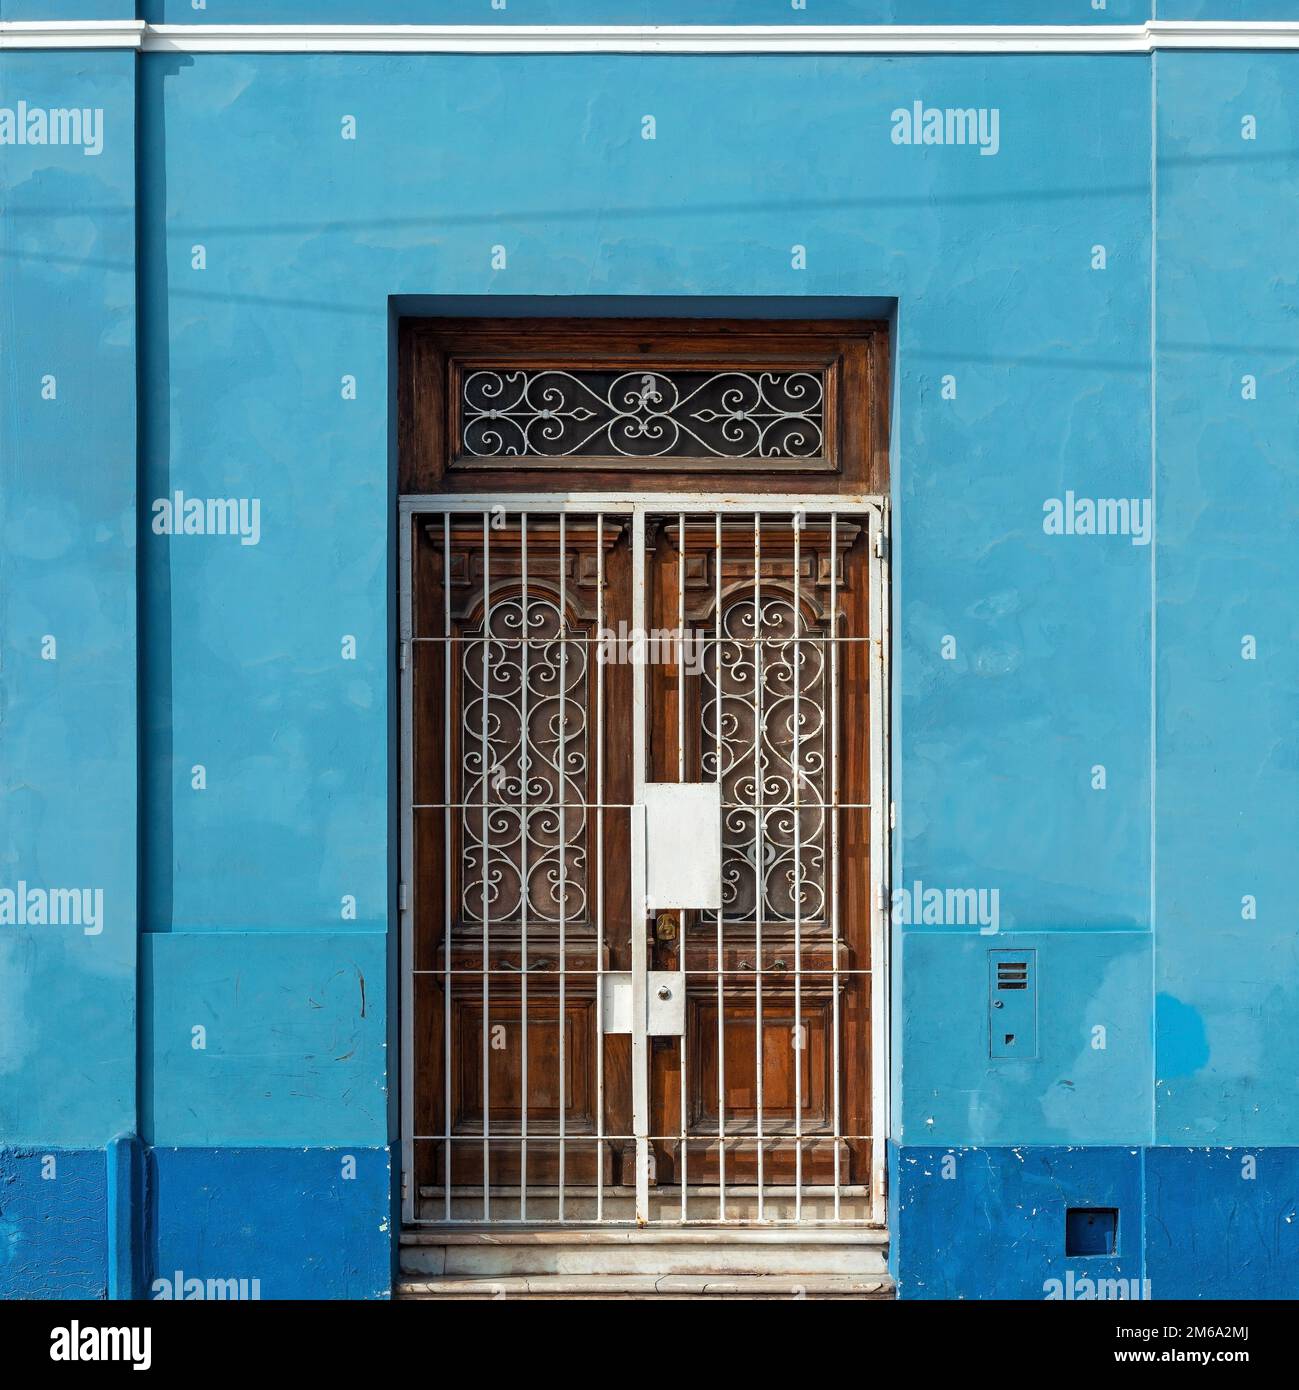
[512,795]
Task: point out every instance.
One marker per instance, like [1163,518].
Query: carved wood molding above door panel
[567,561]
[817,572]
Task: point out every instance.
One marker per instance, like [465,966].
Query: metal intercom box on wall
[1012,1004]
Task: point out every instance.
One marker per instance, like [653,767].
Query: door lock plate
[664,1004]
[665,1012]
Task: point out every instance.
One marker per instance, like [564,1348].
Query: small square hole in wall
[1091,1231]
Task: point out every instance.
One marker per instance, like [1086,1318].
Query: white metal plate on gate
[616,993]
[665,1004]
[683,845]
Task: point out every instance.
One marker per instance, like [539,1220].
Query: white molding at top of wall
[649,38]
[71,33]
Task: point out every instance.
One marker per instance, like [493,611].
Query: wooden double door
[756,656]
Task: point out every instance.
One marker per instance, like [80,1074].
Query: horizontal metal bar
[538,808]
[734,1139]
[740,973]
[669,1223]
[697,637]
[616,505]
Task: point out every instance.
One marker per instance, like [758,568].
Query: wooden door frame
[438,470]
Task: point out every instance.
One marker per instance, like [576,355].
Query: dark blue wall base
[1192,1223]
[289,1219]
[53,1223]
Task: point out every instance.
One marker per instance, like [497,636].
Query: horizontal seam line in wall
[1149,37]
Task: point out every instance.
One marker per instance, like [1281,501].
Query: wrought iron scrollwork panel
[759,760]
[560,413]
[520,849]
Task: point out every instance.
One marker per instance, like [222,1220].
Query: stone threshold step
[638,1286]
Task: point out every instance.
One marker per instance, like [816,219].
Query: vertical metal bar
[523,873]
[834,855]
[563,834]
[484,773]
[879,870]
[882,965]
[721,930]
[759,881]
[639,955]
[681,777]
[599,869]
[796,786]
[448,661]
[405,631]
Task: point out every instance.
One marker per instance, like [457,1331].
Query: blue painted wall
[252,902]
[596,11]
[1228,768]
[305,1223]
[816,12]
[53,1223]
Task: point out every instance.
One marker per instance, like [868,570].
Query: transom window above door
[748,403]
[711,417]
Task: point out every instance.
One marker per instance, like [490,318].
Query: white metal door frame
[638,506]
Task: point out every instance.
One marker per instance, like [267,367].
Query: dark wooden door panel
[504,1053]
[784,1046]
[809,906]
[489,845]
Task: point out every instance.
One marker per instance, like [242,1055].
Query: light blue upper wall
[267,888]
[1228,567]
[68,762]
[307,237]
[653,11]
[1072,1091]
[293,1039]
[29,10]
[995,747]
[1228,9]
[643,12]
[242,393]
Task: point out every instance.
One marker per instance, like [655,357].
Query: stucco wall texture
[1102,727]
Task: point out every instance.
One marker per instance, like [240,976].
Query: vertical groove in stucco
[1154,604]
[141,820]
